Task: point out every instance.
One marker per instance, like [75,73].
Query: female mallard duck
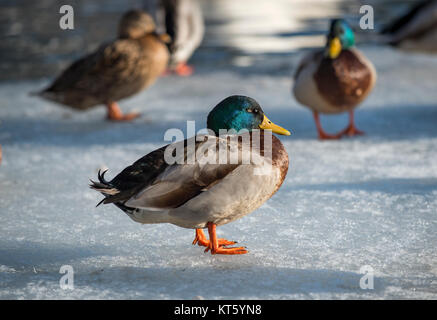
[335,79]
[417,29]
[116,70]
[201,194]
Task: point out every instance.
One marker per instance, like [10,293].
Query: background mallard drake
[334,79]
[116,70]
[204,195]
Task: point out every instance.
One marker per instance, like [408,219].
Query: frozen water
[345,204]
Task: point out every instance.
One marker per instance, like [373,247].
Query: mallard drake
[197,194]
[416,30]
[334,79]
[116,70]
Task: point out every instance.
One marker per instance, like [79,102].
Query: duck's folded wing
[202,167]
[192,179]
[107,67]
[181,182]
[153,183]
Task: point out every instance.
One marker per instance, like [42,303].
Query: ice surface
[345,204]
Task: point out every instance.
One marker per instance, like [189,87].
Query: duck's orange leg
[201,240]
[215,246]
[183,69]
[115,113]
[322,134]
[351,130]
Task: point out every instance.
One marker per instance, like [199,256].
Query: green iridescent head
[341,36]
[238,113]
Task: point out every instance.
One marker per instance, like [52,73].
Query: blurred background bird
[183,21]
[116,70]
[334,79]
[416,29]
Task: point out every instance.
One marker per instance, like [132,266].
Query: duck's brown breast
[280,158]
[345,81]
[154,59]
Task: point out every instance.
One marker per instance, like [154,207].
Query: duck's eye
[256,110]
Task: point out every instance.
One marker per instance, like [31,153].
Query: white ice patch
[370,200]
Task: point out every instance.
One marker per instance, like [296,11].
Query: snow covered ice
[345,204]
[365,201]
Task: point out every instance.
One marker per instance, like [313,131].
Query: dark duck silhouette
[416,30]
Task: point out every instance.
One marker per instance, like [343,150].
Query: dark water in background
[32,45]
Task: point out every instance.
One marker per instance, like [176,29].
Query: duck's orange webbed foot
[351,130]
[181,69]
[216,245]
[201,240]
[115,113]
[184,70]
[233,250]
[326,136]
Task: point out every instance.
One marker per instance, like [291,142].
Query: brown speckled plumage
[116,70]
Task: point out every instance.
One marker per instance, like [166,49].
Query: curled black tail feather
[104,186]
[101,177]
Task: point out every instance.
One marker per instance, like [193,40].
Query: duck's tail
[103,186]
